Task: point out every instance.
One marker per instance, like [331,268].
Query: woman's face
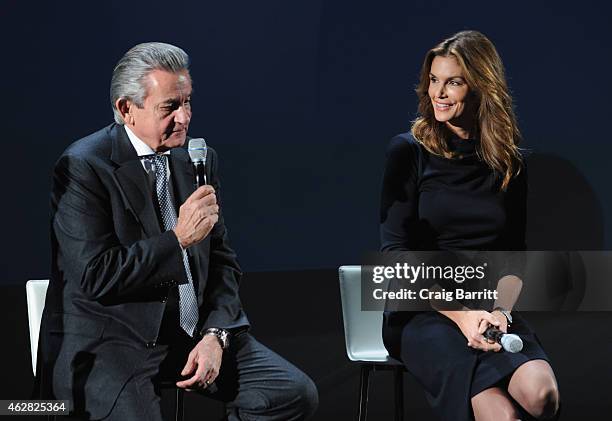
[448,91]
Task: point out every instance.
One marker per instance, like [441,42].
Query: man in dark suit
[144,284]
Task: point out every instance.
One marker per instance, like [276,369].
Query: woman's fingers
[490,318]
[476,325]
[483,326]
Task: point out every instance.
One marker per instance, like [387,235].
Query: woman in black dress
[457,181]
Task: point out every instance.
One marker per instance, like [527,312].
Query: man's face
[163,121]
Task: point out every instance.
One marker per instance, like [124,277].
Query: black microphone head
[197,150]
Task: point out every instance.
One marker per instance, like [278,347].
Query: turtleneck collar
[462,146]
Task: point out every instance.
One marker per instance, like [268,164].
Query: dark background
[300,99]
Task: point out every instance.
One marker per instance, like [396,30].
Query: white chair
[36,292]
[363,338]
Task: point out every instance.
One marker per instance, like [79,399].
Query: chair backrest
[362,329]
[36,292]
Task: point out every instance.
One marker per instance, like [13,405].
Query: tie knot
[159,163]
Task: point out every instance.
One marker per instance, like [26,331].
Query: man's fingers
[204,211]
[196,380]
[211,375]
[187,383]
[204,207]
[213,219]
[209,199]
[189,366]
[205,224]
[208,223]
[190,381]
[201,192]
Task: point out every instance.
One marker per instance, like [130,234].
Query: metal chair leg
[364,386]
[179,405]
[398,380]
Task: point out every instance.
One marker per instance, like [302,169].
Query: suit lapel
[133,181]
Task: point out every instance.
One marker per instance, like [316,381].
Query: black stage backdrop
[300,99]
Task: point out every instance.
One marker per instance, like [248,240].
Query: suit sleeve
[87,247]
[221,298]
[399,197]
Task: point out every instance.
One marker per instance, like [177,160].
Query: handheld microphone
[509,341]
[197,152]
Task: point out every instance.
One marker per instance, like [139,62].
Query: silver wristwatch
[506,314]
[222,336]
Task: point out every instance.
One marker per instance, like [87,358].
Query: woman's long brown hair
[496,125]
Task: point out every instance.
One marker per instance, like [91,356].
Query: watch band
[222,336]
[506,314]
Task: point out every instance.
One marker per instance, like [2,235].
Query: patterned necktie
[188,304]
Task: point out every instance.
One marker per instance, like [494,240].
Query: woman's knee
[497,413]
[494,404]
[534,387]
[543,402]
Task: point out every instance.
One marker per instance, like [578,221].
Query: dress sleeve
[399,198]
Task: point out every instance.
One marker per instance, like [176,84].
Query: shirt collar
[141,147]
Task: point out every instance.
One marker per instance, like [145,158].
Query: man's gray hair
[129,76]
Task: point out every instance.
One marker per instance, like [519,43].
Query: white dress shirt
[143,149]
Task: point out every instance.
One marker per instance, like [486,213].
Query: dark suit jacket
[112,267]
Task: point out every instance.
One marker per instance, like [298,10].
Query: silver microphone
[197,152]
[509,341]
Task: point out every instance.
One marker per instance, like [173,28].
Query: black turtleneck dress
[434,203]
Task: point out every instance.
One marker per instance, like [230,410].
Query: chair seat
[376,356]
